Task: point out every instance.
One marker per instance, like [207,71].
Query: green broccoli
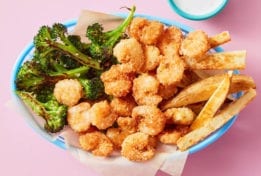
[102,43]
[93,88]
[55,38]
[53,113]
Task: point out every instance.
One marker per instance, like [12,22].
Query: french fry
[215,123]
[213,104]
[218,61]
[203,89]
[219,39]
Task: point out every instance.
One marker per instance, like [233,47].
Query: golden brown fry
[215,123]
[213,104]
[231,60]
[219,39]
[203,89]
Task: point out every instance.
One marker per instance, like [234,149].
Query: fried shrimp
[150,119]
[127,126]
[170,70]
[167,91]
[123,106]
[101,115]
[145,31]
[145,90]
[152,58]
[169,136]
[118,80]
[129,51]
[180,116]
[170,41]
[195,45]
[68,91]
[96,142]
[77,118]
[138,147]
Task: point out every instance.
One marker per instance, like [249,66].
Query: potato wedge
[213,104]
[203,89]
[218,61]
[215,123]
[219,39]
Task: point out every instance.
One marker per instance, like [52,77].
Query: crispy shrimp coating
[68,91]
[195,44]
[101,115]
[170,71]
[180,116]
[167,91]
[123,106]
[77,118]
[129,51]
[118,80]
[169,136]
[127,126]
[150,119]
[152,58]
[145,90]
[145,31]
[170,41]
[138,147]
[96,142]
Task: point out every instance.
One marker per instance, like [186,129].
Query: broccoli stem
[115,34]
[70,73]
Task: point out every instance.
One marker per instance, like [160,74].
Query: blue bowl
[27,54]
[191,16]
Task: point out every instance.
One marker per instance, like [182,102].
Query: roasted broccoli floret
[93,88]
[31,76]
[53,113]
[102,43]
[55,38]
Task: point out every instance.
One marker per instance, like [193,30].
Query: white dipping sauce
[198,7]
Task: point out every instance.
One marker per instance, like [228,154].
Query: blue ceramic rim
[197,17]
[60,141]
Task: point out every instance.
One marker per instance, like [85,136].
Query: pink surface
[25,153]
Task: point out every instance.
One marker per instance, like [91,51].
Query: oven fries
[213,104]
[215,123]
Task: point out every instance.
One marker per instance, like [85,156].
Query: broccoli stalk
[53,113]
[56,38]
[32,77]
[102,43]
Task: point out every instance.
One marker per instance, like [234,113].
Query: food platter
[59,141]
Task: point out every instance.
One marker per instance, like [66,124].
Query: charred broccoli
[93,88]
[102,43]
[53,112]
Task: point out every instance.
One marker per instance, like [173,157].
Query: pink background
[25,153]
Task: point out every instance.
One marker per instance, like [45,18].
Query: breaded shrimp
[123,106]
[77,118]
[138,147]
[96,142]
[101,115]
[167,91]
[129,51]
[152,58]
[118,80]
[170,41]
[145,90]
[170,70]
[180,116]
[169,136]
[68,91]
[127,126]
[150,119]
[195,45]
[145,31]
